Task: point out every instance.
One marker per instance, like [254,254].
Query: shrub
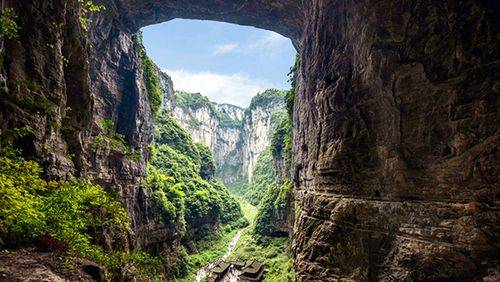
[151,78]
[8,25]
[290,95]
[264,174]
[207,162]
[77,210]
[168,198]
[193,101]
[115,141]
[168,132]
[172,163]
[87,7]
[189,167]
[267,97]
[69,213]
[281,141]
[21,189]
[275,202]
[194,123]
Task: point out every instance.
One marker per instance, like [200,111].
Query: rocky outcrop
[29,265]
[216,125]
[395,123]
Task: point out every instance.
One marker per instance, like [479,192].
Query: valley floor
[273,252]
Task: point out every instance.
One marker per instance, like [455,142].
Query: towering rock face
[260,122]
[235,136]
[217,126]
[395,123]
[395,141]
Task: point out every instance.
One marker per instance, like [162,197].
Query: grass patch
[209,249]
[273,252]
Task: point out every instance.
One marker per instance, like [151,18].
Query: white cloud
[270,41]
[237,89]
[224,49]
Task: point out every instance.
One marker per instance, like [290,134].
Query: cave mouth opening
[226,85]
[228,63]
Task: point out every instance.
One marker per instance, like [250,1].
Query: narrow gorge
[236,136]
[380,164]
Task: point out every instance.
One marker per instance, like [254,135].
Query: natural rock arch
[395,128]
[282,16]
[364,85]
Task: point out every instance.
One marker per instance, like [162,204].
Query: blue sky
[226,62]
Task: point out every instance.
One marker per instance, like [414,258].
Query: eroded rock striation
[395,123]
[395,141]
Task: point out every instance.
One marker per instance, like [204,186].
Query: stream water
[202,273]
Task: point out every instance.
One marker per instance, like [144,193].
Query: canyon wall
[216,125]
[261,119]
[395,129]
[236,136]
[396,141]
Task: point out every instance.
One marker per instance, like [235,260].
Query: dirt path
[202,273]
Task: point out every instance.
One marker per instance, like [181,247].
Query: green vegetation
[193,101]
[116,141]
[62,216]
[181,175]
[196,101]
[168,199]
[281,141]
[30,96]
[150,75]
[168,132]
[238,188]
[227,121]
[186,196]
[266,97]
[8,25]
[264,174]
[194,123]
[207,168]
[290,95]
[276,200]
[87,7]
[208,250]
[66,212]
[273,252]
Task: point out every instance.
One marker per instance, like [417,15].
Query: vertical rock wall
[258,127]
[40,68]
[395,141]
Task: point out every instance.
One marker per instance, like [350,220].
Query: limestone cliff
[261,119]
[235,136]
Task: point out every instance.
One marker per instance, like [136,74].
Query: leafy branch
[88,7]
[8,25]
